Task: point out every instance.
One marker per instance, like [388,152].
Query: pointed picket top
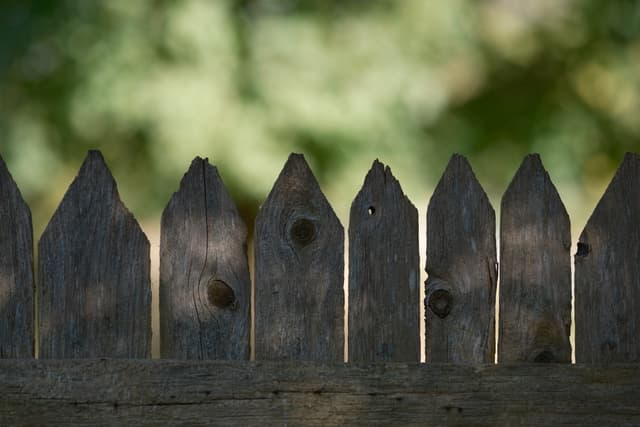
[16,270]
[94,292]
[461,264]
[384,293]
[607,281]
[535,269]
[299,265]
[205,289]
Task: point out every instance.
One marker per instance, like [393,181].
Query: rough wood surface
[535,269]
[205,289]
[607,269]
[166,392]
[94,293]
[384,291]
[461,263]
[16,271]
[299,268]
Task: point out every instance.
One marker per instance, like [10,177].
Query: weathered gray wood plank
[167,392]
[16,270]
[205,289]
[462,269]
[299,267]
[535,269]
[607,273]
[384,291]
[94,292]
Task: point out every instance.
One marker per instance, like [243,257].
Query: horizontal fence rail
[92,297]
[195,393]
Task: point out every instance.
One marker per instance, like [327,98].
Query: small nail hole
[372,210]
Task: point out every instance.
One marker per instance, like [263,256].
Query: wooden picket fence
[92,303]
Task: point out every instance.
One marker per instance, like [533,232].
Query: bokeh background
[153,83]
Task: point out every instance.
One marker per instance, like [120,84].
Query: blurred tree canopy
[153,83]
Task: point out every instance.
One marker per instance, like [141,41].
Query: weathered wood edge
[607,283]
[299,271]
[204,272]
[93,285]
[17,279]
[384,293]
[535,269]
[462,270]
[174,392]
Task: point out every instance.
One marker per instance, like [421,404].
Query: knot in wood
[303,231]
[583,249]
[220,294]
[440,302]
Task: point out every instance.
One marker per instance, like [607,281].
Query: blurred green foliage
[153,83]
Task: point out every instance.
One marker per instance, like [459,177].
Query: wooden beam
[16,270]
[94,286]
[299,271]
[205,289]
[384,289]
[535,269]
[607,280]
[170,392]
[462,268]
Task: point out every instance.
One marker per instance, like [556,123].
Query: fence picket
[16,271]
[94,294]
[299,265]
[607,273]
[535,269]
[461,264]
[205,289]
[384,289]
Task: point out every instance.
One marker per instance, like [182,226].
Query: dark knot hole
[303,231]
[220,294]
[583,249]
[440,302]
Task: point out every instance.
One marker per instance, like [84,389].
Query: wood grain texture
[16,271]
[94,292]
[607,273]
[535,269]
[299,271]
[462,269]
[181,393]
[384,291]
[205,289]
